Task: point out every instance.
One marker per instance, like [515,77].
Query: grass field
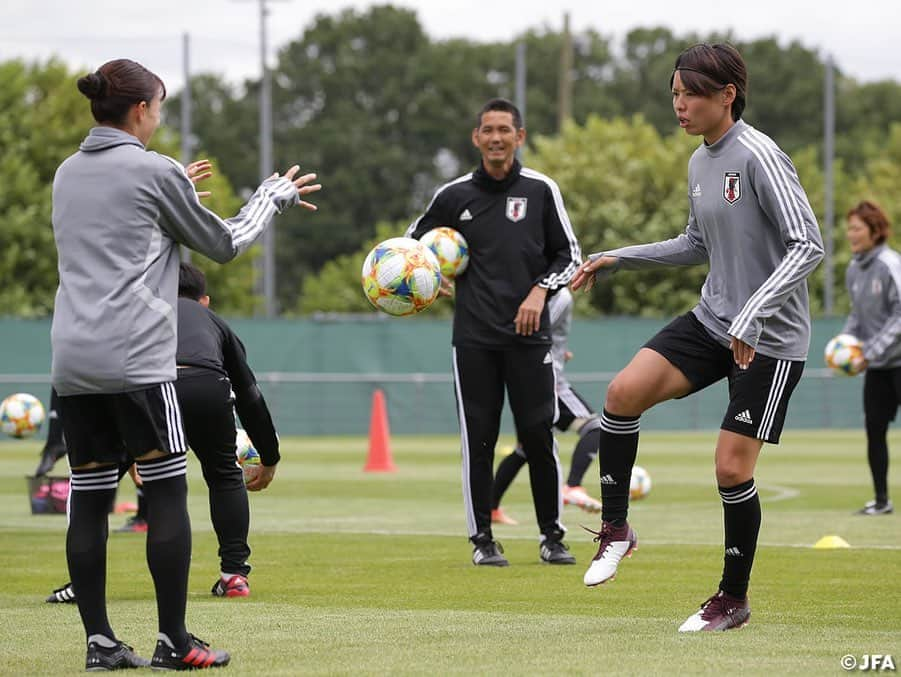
[362,573]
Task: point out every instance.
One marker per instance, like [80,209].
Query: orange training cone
[379,459]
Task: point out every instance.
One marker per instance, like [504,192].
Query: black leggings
[881,394]
[205,398]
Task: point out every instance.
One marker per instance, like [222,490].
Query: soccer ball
[248,456]
[401,276]
[450,248]
[843,354]
[640,484]
[21,415]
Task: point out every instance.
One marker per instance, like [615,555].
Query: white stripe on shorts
[777,388]
[173,419]
[574,403]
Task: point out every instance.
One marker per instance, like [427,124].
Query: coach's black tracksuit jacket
[519,235]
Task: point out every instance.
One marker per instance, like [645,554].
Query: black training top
[519,236]
[207,342]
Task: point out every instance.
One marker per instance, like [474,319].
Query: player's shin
[168,541]
[617,452]
[741,521]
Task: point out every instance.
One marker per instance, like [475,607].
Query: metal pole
[521,87]
[564,98]
[829,184]
[266,165]
[187,141]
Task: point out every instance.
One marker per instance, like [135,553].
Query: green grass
[362,573]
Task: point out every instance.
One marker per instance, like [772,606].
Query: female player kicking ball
[750,220]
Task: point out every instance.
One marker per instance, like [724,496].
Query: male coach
[521,248]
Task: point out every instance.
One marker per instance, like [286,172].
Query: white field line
[523,537]
[782,493]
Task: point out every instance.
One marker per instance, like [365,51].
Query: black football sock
[168,541]
[741,522]
[230,514]
[585,452]
[90,497]
[507,469]
[877,456]
[618,447]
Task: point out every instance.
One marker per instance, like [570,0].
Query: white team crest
[732,187]
[516,208]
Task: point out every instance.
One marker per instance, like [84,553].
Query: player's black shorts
[758,395]
[105,428]
[571,406]
[881,394]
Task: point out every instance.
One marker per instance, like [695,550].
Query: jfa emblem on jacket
[516,208]
[732,187]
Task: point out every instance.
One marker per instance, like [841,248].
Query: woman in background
[873,280]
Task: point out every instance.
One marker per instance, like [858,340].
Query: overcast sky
[862,36]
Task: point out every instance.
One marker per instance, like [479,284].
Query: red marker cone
[379,459]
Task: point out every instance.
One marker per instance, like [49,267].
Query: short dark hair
[504,106]
[874,217]
[706,69]
[191,281]
[116,86]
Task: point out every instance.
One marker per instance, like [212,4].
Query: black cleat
[119,657]
[487,552]
[63,595]
[198,656]
[720,612]
[554,551]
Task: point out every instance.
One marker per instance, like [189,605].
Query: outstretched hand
[303,185]
[585,276]
[198,171]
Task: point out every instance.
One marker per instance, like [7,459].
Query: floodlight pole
[520,79]
[187,140]
[829,185]
[266,165]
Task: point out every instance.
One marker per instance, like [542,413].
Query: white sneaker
[578,497]
[614,543]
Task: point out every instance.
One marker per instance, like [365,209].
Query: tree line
[383,113]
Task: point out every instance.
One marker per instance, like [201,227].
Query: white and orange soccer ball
[640,484]
[401,276]
[450,248]
[21,415]
[844,355]
[247,455]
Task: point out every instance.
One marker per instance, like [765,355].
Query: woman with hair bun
[119,214]
[750,220]
[873,280]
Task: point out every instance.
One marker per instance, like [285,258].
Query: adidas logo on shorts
[744,417]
